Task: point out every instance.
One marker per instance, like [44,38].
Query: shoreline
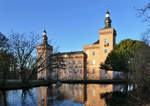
[17,84]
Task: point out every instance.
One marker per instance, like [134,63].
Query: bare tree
[144,12]
[6,58]
[140,65]
[140,76]
[23,48]
[146,37]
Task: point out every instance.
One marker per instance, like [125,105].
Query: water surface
[62,95]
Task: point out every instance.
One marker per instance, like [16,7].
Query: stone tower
[107,37]
[44,50]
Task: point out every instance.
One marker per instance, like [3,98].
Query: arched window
[106,42]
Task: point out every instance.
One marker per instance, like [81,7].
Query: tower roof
[44,38]
[44,31]
[107,20]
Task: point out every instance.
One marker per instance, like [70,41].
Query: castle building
[84,64]
[43,52]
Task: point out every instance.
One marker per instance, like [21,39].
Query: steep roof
[73,52]
[97,42]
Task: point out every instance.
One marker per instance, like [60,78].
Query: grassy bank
[17,84]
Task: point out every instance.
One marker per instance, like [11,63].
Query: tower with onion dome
[44,51]
[107,37]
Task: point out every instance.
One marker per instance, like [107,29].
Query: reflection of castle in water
[87,94]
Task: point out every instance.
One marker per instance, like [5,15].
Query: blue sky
[71,23]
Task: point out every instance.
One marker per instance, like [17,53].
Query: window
[93,71]
[106,42]
[87,54]
[75,71]
[93,92]
[105,72]
[93,62]
[65,71]
[79,62]
[80,71]
[93,53]
[74,62]
[42,74]
[59,71]
[105,50]
[70,62]
[70,71]
[65,62]
[87,71]
[87,62]
[80,93]
[56,71]
[75,92]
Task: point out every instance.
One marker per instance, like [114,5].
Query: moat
[59,95]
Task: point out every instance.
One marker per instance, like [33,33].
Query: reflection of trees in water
[115,98]
[27,93]
[140,96]
[89,95]
[1,97]
[118,97]
[130,98]
[3,100]
[11,98]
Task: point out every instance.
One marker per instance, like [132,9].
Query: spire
[44,38]
[107,20]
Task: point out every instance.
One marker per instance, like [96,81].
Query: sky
[71,24]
